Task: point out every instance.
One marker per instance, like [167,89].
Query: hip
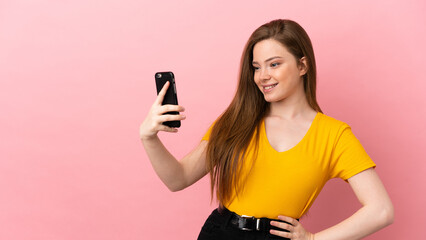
[224,224]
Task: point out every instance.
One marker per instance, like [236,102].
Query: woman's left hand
[295,229]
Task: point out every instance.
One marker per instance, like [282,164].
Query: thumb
[162,93]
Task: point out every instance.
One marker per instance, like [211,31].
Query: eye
[255,68]
[274,64]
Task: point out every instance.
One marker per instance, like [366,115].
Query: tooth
[269,87]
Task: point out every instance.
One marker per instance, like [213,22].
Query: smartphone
[171,95]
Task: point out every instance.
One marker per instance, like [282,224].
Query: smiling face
[277,73]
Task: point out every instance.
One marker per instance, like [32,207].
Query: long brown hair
[235,128]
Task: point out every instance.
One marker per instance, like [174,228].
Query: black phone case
[171,95]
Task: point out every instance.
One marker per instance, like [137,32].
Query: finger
[171,108]
[281,233]
[171,117]
[290,220]
[162,93]
[165,128]
[282,225]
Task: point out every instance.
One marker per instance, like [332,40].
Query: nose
[264,74]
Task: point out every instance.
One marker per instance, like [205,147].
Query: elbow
[390,216]
[176,187]
[386,215]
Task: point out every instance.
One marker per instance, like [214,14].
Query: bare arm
[376,213]
[176,175]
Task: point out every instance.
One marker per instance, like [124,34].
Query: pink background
[76,80]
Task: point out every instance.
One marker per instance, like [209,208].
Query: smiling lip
[269,87]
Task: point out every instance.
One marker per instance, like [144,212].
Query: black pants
[217,227]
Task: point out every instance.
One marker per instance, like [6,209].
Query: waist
[247,223]
[264,209]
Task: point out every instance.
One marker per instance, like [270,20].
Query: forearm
[167,167]
[365,221]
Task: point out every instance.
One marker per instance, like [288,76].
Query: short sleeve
[349,156]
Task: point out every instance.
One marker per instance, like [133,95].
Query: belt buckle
[251,217]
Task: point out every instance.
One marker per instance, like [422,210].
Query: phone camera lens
[158,75]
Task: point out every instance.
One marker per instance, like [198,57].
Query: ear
[303,66]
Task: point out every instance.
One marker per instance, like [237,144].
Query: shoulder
[331,124]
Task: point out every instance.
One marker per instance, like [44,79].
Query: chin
[272,99]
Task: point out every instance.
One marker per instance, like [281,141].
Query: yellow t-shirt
[287,183]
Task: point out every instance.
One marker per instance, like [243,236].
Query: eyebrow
[267,60]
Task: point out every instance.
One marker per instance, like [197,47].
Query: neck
[293,107]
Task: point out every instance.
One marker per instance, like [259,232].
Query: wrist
[145,138]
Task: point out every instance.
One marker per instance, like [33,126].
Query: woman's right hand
[153,122]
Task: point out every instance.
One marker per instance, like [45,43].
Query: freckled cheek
[282,76]
[279,74]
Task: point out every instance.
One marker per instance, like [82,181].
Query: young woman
[272,150]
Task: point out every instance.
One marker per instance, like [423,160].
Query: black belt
[250,223]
